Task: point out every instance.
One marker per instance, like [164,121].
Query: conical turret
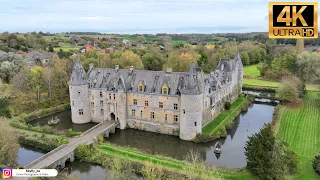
[78,76]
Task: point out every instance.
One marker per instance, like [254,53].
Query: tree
[120,169]
[153,61]
[287,91]
[47,74]
[269,157]
[9,145]
[35,79]
[245,58]
[308,67]
[180,61]
[300,45]
[141,39]
[51,49]
[128,58]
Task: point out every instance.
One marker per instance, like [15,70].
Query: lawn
[300,128]
[252,71]
[273,84]
[224,117]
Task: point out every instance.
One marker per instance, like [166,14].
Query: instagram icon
[6,173]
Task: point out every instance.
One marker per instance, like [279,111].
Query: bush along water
[41,141]
[316,164]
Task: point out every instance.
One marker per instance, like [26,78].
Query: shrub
[287,91]
[316,164]
[227,105]
[201,138]
[83,151]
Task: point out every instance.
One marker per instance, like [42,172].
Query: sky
[135,16]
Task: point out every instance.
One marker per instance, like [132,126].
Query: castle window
[80,112]
[165,89]
[92,104]
[152,115]
[175,106]
[175,118]
[100,94]
[102,112]
[195,123]
[184,111]
[161,105]
[114,96]
[141,87]
[165,117]
[109,96]
[133,111]
[135,102]
[146,103]
[141,114]
[101,103]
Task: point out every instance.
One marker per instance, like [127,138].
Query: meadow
[252,71]
[299,127]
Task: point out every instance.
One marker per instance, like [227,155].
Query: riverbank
[218,126]
[299,127]
[173,167]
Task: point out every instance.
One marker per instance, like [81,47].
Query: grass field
[252,71]
[272,84]
[170,163]
[301,129]
[223,118]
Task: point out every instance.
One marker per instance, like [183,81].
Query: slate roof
[78,76]
[223,72]
[112,79]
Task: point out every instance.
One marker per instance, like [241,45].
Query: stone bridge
[59,156]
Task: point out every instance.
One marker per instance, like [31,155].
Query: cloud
[125,15]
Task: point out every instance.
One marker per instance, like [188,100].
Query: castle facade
[175,103]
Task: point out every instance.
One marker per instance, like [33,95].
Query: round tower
[191,104]
[190,116]
[79,95]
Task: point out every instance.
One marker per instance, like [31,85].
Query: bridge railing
[45,156]
[91,129]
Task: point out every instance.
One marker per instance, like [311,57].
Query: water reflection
[27,154]
[232,146]
[65,122]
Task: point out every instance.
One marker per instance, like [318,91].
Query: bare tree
[47,72]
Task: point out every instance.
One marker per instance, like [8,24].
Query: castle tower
[79,95]
[240,70]
[191,104]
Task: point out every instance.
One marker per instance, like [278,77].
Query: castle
[159,101]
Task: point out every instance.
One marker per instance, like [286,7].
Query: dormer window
[141,87]
[165,89]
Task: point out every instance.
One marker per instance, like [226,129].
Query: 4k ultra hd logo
[293,20]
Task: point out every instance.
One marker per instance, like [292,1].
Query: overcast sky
[134,16]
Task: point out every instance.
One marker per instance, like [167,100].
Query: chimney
[116,67]
[90,66]
[131,68]
[169,70]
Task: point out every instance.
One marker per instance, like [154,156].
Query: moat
[232,155]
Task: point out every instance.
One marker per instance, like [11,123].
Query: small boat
[54,121]
[217,149]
